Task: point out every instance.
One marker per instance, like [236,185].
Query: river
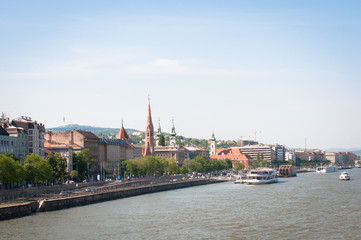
[309,206]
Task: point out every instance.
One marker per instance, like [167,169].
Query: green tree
[37,170]
[228,163]
[12,155]
[58,166]
[132,167]
[260,162]
[10,170]
[239,166]
[172,167]
[74,174]
[83,162]
[161,141]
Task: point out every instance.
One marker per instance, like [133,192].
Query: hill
[96,130]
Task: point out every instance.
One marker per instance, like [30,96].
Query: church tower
[213,145]
[158,134]
[122,134]
[149,134]
[172,139]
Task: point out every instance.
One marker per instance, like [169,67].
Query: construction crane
[255,134]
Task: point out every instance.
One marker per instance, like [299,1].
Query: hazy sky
[290,69]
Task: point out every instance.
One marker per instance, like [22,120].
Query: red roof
[122,134]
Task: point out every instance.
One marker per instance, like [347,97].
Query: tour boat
[326,169]
[344,176]
[259,176]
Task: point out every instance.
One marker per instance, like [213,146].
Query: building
[64,150]
[6,142]
[149,135]
[341,158]
[213,145]
[310,155]
[111,153]
[290,156]
[177,152]
[35,132]
[193,151]
[21,142]
[233,154]
[24,135]
[174,151]
[131,150]
[77,139]
[270,153]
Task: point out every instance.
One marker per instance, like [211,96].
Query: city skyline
[287,69]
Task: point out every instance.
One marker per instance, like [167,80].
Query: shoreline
[15,210]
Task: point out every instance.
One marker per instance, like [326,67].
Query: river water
[309,206]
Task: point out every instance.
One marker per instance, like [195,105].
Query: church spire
[159,132]
[213,137]
[149,133]
[173,128]
[213,145]
[172,140]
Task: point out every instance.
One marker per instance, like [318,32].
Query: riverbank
[14,210]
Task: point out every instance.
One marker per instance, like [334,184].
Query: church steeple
[213,145]
[159,132]
[213,137]
[149,133]
[122,134]
[172,140]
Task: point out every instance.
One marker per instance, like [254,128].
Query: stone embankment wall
[18,210]
[13,211]
[57,204]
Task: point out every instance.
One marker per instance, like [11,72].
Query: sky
[288,70]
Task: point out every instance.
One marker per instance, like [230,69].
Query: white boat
[259,176]
[326,169]
[344,176]
[239,180]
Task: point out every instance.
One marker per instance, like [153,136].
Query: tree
[228,163]
[259,162]
[239,166]
[10,170]
[12,155]
[161,141]
[74,174]
[131,167]
[172,166]
[37,170]
[58,166]
[82,162]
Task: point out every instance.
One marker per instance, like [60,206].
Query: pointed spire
[173,128]
[213,137]
[159,129]
[149,117]
[149,133]
[122,134]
